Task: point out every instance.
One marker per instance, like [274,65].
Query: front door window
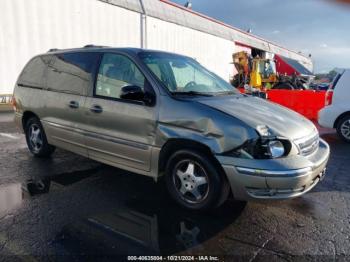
[117,71]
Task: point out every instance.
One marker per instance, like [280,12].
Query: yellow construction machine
[260,73]
[257,72]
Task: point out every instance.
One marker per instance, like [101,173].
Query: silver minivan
[162,114]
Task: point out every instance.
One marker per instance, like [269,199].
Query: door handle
[96,109]
[73,104]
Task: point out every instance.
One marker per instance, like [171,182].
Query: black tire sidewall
[46,149]
[340,123]
[214,177]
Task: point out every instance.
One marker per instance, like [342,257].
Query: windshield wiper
[191,93]
[227,93]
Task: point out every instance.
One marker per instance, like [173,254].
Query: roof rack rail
[53,50]
[94,46]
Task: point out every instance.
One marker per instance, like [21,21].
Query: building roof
[174,13]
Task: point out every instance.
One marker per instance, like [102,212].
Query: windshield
[184,75]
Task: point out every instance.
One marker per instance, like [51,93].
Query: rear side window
[335,81]
[33,75]
[72,72]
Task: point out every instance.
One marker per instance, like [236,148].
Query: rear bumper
[283,180]
[328,115]
[18,121]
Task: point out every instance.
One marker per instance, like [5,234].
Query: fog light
[276,149]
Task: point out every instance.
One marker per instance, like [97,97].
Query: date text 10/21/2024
[173,258]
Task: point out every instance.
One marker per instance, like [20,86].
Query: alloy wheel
[191,181]
[345,129]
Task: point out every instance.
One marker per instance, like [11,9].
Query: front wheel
[193,181]
[343,128]
[36,139]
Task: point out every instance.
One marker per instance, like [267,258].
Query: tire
[36,139]
[194,182]
[343,128]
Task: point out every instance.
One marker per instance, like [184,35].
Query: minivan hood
[256,111]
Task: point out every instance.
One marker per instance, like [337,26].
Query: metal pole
[143,22]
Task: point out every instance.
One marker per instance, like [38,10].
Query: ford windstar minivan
[156,113]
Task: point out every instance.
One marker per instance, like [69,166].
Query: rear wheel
[343,128]
[193,181]
[36,139]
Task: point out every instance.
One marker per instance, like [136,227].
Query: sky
[317,27]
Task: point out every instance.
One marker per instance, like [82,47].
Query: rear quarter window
[72,72]
[33,75]
[336,80]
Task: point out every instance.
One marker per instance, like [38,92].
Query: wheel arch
[347,113]
[26,116]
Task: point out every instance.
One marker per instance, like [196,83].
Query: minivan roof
[89,48]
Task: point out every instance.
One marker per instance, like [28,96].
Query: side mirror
[132,92]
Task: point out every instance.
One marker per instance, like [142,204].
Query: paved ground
[69,206]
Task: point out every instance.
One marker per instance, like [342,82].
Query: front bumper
[275,178]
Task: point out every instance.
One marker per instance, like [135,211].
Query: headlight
[275,148]
[263,149]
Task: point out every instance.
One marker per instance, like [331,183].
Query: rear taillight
[14,103]
[329,97]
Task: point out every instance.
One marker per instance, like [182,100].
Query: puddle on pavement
[140,228]
[12,195]
[73,177]
[148,223]
[10,198]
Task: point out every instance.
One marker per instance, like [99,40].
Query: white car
[336,113]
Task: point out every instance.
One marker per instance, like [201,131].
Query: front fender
[219,139]
[188,119]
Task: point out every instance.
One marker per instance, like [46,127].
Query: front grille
[308,145]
